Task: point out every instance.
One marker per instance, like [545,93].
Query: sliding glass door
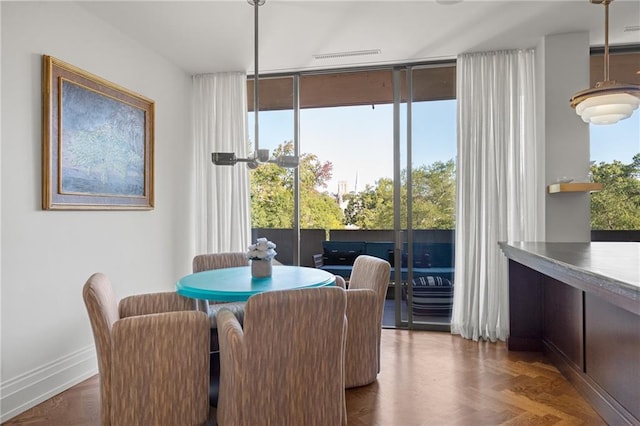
[425,140]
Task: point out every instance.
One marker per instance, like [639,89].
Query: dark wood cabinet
[580,303]
[563,320]
[612,351]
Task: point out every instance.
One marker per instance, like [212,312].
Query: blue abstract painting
[102,144]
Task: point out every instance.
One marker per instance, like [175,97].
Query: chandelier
[259,155]
[609,101]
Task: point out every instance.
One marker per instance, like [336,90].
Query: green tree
[272,194]
[617,206]
[433,192]
[371,208]
[434,196]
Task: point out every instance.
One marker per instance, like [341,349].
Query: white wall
[46,256]
[564,66]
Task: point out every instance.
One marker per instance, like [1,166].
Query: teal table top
[236,284]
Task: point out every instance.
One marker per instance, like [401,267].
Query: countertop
[609,269]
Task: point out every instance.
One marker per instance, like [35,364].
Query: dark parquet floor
[426,378]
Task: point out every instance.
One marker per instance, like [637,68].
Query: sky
[620,141]
[358,140]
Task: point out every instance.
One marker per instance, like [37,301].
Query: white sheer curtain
[500,192]
[223,221]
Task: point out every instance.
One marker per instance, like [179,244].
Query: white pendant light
[609,101]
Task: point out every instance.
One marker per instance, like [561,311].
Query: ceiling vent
[338,55]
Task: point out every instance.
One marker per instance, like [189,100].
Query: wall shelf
[574,187]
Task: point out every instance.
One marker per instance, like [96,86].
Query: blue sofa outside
[430,259]
[338,256]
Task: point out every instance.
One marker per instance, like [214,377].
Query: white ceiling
[214,36]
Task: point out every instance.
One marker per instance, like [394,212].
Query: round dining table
[237,284]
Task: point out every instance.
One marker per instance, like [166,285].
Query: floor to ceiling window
[346,121]
[350,172]
[615,158]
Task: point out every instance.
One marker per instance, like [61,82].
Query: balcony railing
[311,239]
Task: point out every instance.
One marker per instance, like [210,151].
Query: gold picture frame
[98,142]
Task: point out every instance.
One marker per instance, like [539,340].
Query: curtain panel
[500,193]
[222,198]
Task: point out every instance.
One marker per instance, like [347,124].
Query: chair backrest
[290,363]
[206,262]
[102,308]
[372,273]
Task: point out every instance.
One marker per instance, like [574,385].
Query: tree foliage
[433,200]
[272,194]
[371,208]
[617,206]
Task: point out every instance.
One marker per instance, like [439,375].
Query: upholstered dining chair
[209,261]
[153,356]
[284,366]
[365,303]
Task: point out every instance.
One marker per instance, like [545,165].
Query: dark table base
[214,378]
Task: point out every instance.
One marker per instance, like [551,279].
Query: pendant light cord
[606,39]
[256,4]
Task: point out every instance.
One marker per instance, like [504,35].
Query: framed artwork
[97,145]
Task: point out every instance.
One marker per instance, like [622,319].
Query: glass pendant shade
[609,101]
[607,108]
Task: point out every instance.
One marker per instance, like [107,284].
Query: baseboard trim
[33,387]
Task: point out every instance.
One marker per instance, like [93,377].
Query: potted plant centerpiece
[261,254]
